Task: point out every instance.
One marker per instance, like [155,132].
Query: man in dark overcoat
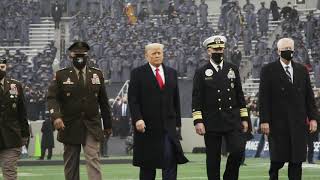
[287,111]
[155,111]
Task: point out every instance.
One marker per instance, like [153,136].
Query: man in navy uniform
[219,110]
[14,127]
[77,100]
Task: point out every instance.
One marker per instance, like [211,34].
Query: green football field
[256,169]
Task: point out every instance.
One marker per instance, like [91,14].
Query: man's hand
[140,126]
[58,124]
[200,129]
[178,132]
[265,128]
[245,126]
[313,126]
[107,132]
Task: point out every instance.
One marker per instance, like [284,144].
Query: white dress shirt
[161,72]
[216,65]
[290,69]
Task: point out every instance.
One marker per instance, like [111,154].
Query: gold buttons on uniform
[219,109]
[219,100]
[230,107]
[228,89]
[230,98]
[218,90]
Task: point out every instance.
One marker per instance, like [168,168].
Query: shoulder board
[94,68]
[14,80]
[63,69]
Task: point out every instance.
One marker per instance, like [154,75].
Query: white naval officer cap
[215,42]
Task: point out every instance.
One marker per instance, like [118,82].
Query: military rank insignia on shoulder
[95,68]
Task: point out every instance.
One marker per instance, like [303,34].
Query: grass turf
[256,169]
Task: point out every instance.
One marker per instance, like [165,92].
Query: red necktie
[159,79]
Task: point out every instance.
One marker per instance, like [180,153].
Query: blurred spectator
[275,10]
[263,19]
[203,11]
[47,140]
[56,13]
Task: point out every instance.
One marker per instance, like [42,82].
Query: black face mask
[80,61]
[217,57]
[2,74]
[287,55]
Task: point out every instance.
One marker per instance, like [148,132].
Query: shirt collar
[285,65]
[83,70]
[154,68]
[216,65]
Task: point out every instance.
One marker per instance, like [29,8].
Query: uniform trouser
[71,157]
[310,150]
[294,170]
[170,171]
[234,141]
[9,159]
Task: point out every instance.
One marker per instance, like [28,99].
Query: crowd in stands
[15,17]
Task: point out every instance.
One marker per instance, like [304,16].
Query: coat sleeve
[134,97]
[197,97]
[104,104]
[264,96]
[177,102]
[310,101]
[240,98]
[22,113]
[53,99]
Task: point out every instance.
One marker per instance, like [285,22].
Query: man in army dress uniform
[219,110]
[14,127]
[77,101]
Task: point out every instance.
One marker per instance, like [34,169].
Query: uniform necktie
[219,68]
[159,79]
[81,79]
[1,88]
[288,74]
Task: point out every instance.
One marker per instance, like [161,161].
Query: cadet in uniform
[77,100]
[14,127]
[219,110]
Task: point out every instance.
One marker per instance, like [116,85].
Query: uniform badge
[95,79]
[231,74]
[208,72]
[14,105]
[13,90]
[68,81]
